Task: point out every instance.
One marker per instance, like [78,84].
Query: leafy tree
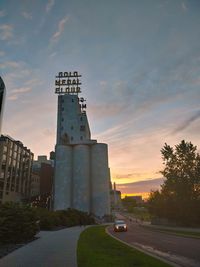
[179,198]
[129,203]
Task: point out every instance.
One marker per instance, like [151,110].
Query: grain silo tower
[82,179]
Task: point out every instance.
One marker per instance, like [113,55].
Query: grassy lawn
[98,249]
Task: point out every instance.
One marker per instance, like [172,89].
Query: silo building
[82,177]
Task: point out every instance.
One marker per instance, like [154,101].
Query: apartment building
[15,170]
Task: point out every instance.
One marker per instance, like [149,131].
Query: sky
[140,66]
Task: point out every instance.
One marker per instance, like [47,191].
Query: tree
[129,203]
[179,198]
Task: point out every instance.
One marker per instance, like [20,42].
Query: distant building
[115,197]
[46,179]
[138,199]
[35,185]
[2,97]
[41,159]
[44,170]
[81,164]
[15,170]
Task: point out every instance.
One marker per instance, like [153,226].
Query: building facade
[15,170]
[82,177]
[34,185]
[2,97]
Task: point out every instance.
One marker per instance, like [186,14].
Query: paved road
[53,248]
[181,250]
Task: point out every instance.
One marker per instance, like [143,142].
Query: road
[183,251]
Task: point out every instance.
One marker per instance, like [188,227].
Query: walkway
[53,248]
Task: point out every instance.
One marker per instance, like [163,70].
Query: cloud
[184,125]
[142,186]
[16,92]
[2,53]
[10,64]
[6,32]
[12,97]
[183,6]
[27,15]
[61,27]
[2,13]
[21,90]
[49,5]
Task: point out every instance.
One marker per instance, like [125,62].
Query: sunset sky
[140,66]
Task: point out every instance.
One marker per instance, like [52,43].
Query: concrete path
[53,248]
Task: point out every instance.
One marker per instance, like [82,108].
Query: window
[4,158]
[82,128]
[1,185]
[72,100]
[81,118]
[72,128]
[62,119]
[81,137]
[72,138]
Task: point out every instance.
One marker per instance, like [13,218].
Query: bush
[62,218]
[18,223]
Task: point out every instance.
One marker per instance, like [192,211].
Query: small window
[72,128]
[81,118]
[81,137]
[62,119]
[63,109]
[72,138]
[72,100]
[82,128]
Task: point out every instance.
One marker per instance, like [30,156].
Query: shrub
[18,223]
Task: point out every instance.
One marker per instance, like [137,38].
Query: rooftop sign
[68,83]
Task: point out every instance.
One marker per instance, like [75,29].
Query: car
[120,226]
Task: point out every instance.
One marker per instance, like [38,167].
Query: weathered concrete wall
[81,177]
[100,197]
[63,177]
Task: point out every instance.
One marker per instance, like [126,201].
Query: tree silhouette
[179,197]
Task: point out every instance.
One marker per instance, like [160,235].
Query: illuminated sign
[68,83]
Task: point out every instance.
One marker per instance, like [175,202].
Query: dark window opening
[82,128]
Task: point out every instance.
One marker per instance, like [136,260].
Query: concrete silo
[82,179]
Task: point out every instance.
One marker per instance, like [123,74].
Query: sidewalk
[53,248]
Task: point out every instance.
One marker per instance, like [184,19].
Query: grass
[141,214]
[96,248]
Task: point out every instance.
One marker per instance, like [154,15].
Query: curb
[144,251]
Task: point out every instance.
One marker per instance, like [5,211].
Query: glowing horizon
[140,77]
